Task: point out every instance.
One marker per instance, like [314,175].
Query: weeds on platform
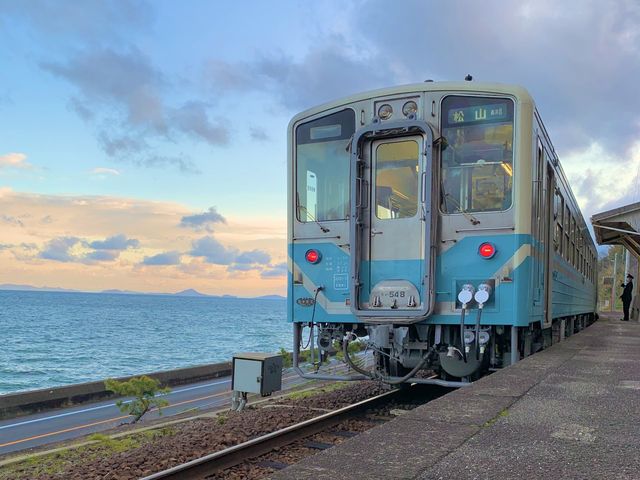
[503,413]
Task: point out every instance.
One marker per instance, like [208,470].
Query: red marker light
[312,256]
[487,250]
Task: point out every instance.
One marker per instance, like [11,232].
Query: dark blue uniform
[626,297]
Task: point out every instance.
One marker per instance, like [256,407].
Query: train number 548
[396,293]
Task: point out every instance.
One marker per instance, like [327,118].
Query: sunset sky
[143,144]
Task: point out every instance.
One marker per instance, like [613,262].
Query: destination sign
[478,113]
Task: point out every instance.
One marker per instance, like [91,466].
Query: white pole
[627,263]
[613,285]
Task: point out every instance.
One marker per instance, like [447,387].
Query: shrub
[144,391]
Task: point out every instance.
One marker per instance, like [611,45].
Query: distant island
[190,292]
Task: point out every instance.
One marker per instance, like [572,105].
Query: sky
[143,143]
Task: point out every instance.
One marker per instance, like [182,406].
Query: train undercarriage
[449,355]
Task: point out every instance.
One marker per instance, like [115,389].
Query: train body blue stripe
[514,302]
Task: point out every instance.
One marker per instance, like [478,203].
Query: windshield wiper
[467,215]
[310,216]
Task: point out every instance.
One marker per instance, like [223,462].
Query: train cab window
[477,162]
[322,167]
[396,182]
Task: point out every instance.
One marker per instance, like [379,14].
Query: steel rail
[229,457]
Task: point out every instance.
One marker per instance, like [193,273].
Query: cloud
[14,160]
[213,251]
[135,150]
[117,242]
[216,253]
[573,100]
[125,79]
[183,164]
[70,249]
[58,249]
[101,256]
[82,109]
[166,258]
[254,257]
[202,221]
[105,171]
[96,20]
[323,74]
[375,46]
[126,83]
[602,180]
[8,219]
[278,270]
[62,253]
[192,119]
[121,145]
[239,267]
[258,134]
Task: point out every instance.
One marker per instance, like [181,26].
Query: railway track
[232,456]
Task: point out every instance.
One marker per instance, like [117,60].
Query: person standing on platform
[626,296]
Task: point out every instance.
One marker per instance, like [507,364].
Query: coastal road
[63,424]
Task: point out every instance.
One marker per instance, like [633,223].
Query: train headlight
[313,256]
[409,108]
[385,111]
[487,250]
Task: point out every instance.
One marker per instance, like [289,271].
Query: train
[433,222]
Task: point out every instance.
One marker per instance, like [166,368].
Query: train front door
[393,242]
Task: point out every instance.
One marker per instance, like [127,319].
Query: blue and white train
[434,219]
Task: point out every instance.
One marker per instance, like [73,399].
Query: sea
[50,339]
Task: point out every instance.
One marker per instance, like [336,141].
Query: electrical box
[257,373]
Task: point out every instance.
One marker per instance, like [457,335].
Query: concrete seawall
[24,403]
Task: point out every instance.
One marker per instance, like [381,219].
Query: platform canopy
[620,226]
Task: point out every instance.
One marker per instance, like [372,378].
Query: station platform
[569,412]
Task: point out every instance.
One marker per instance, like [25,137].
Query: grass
[57,463]
[332,387]
[222,418]
[305,355]
[503,413]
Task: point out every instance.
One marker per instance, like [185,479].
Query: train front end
[403,229]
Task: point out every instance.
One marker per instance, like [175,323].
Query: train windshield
[322,167]
[477,162]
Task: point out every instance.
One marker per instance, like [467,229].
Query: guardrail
[33,401]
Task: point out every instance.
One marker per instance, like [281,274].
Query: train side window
[558,235]
[572,247]
[567,232]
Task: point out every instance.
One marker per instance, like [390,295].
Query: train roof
[475,87]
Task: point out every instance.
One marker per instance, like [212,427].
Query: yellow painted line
[71,429]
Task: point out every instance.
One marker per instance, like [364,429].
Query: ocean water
[52,339]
